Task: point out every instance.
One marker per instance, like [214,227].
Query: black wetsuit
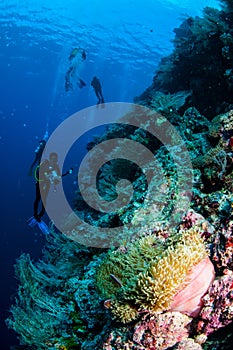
[43,183]
[98,90]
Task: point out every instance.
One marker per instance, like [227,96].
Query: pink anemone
[189,299]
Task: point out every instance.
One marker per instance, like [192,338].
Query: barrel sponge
[146,274]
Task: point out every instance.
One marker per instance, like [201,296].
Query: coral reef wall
[135,296]
[200,63]
[162,287]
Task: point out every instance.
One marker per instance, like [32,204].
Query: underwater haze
[123,40]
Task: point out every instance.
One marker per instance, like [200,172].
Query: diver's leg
[37,200]
[42,211]
[44,195]
[99,97]
[68,85]
[102,97]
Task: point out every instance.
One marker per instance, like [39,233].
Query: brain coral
[147,274]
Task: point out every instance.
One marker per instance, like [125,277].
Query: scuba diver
[46,173]
[75,51]
[77,56]
[98,90]
[38,154]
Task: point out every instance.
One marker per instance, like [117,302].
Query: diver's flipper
[32,221]
[81,83]
[43,227]
[68,86]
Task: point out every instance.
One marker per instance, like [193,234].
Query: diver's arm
[68,172]
[56,174]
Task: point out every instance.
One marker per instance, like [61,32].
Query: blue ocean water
[124,42]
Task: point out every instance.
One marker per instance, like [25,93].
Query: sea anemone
[157,275]
[189,299]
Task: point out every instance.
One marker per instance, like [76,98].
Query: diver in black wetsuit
[98,90]
[38,154]
[35,164]
[47,173]
[77,55]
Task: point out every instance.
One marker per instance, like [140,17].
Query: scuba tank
[40,147]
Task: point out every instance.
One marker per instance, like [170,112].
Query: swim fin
[32,221]
[43,227]
[81,83]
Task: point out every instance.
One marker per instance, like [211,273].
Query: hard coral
[223,248]
[162,331]
[188,344]
[218,305]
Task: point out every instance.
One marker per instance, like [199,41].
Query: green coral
[147,273]
[45,300]
[168,103]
